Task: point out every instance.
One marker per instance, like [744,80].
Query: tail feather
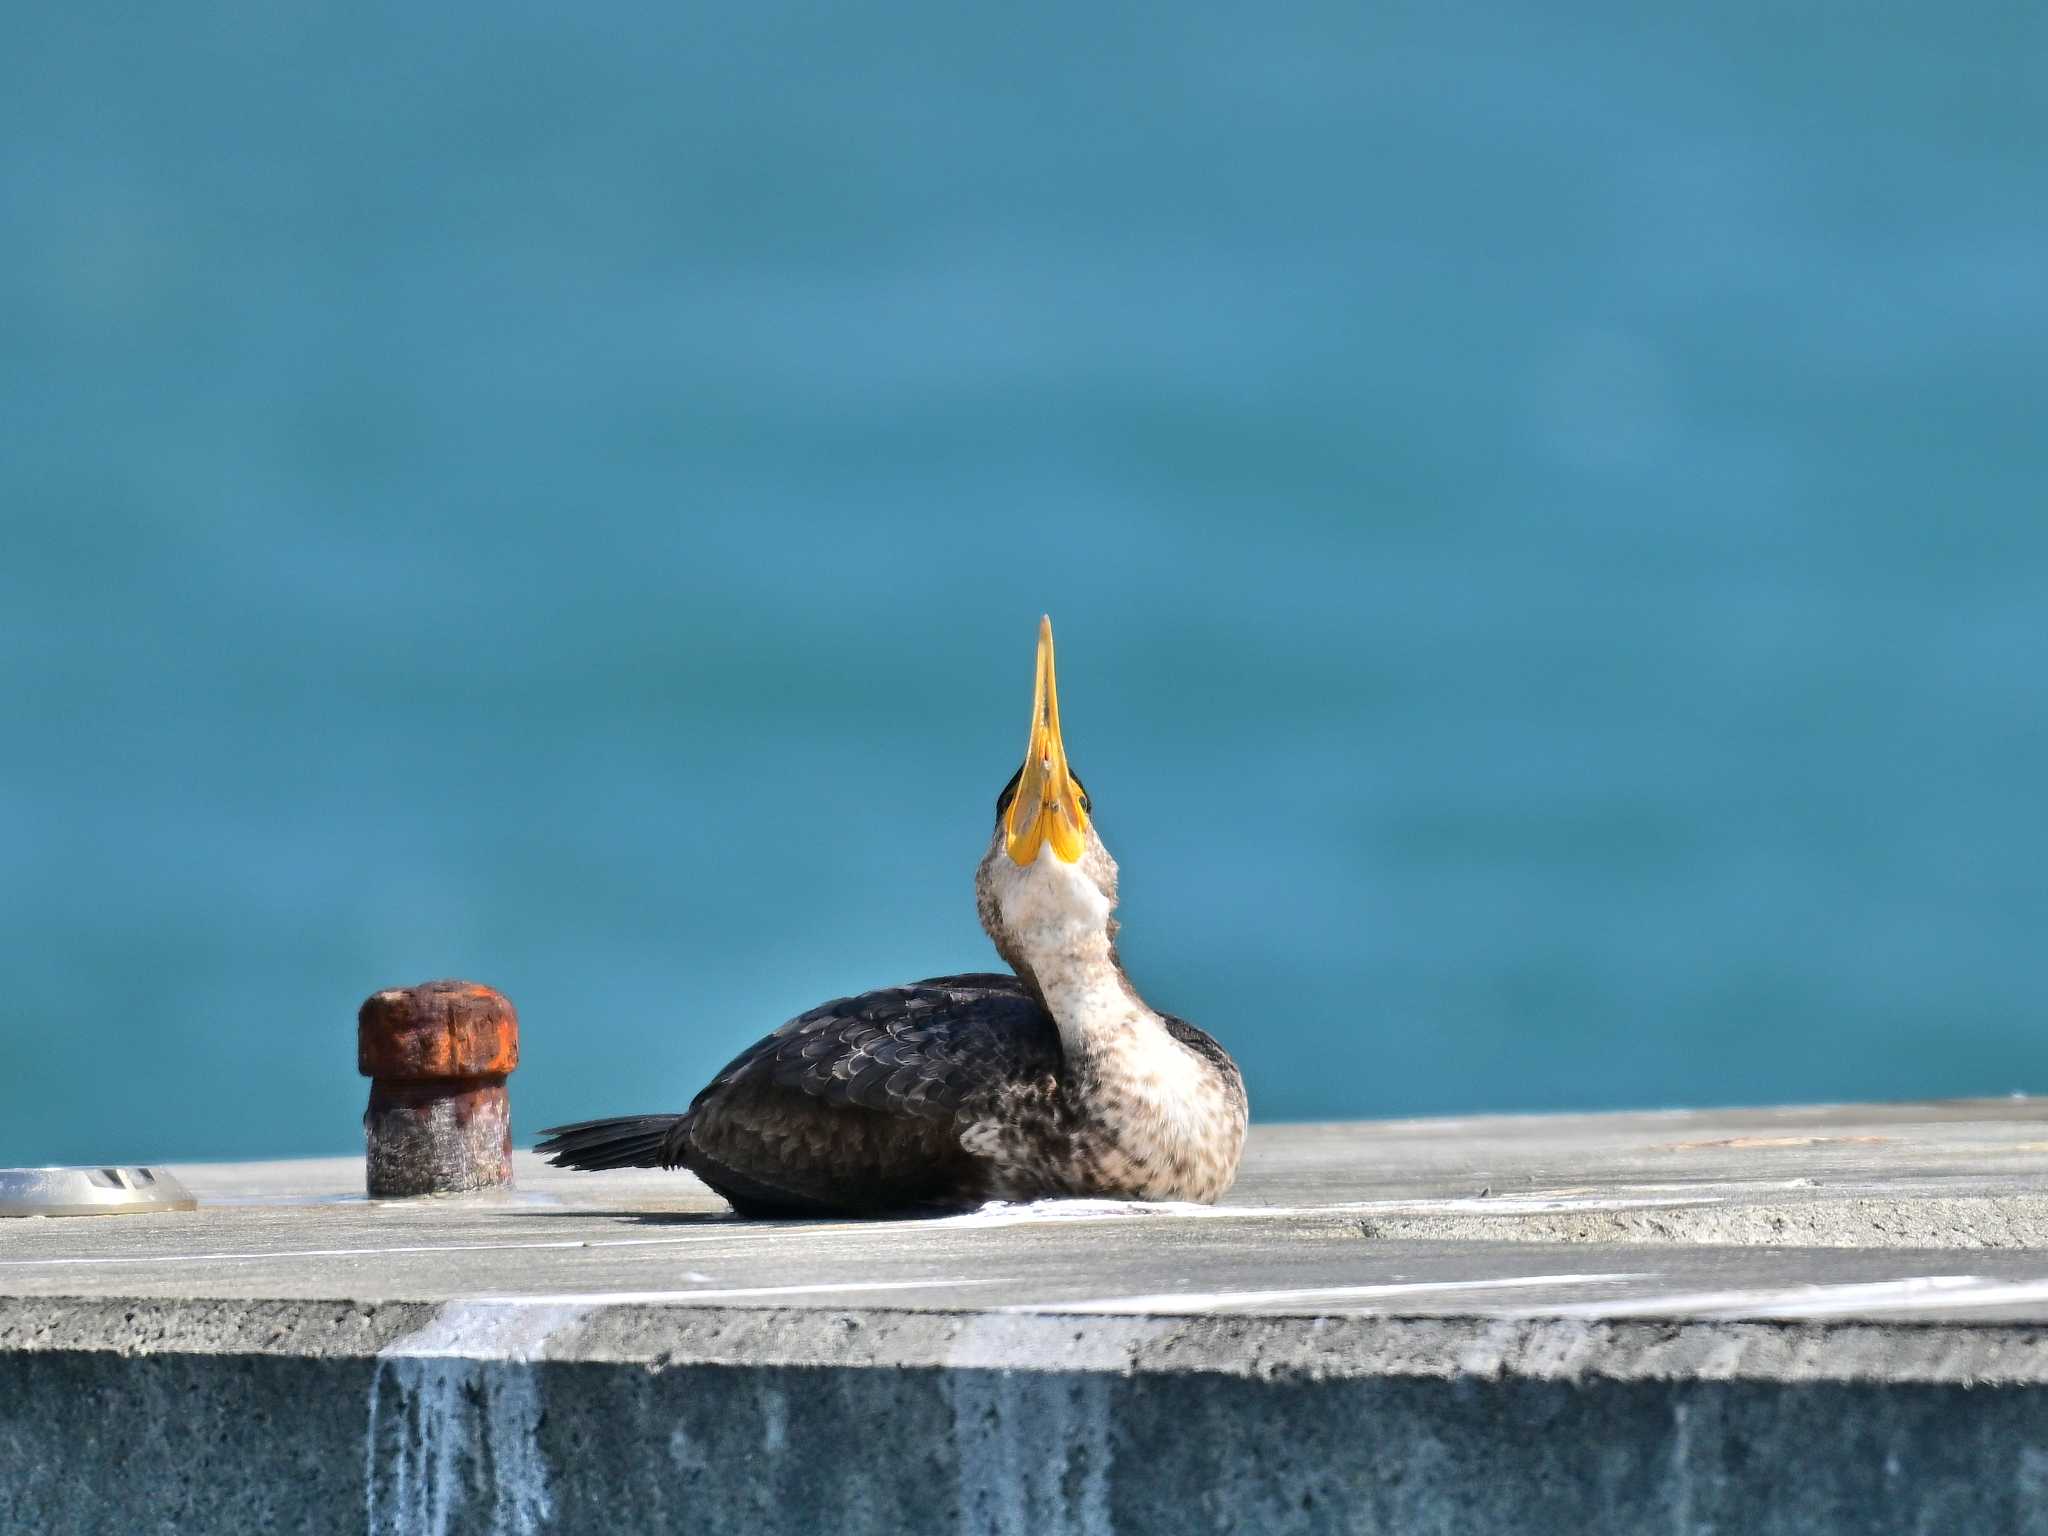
[630,1141]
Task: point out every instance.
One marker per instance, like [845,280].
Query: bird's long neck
[1057,933]
[1084,988]
[1151,1118]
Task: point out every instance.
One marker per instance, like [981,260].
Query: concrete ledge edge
[1263,1348]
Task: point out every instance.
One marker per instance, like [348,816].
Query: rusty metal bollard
[437,1056]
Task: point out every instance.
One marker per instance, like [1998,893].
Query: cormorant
[1056,1081]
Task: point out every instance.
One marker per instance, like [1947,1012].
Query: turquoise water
[1543,513]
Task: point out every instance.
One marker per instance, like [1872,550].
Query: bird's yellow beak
[1047,807]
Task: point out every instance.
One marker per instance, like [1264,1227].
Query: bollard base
[438,1138]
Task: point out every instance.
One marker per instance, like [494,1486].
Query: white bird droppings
[1031,1422]
[454,1414]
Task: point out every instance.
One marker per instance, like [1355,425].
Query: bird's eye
[1009,792]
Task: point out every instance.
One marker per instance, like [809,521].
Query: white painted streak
[358,1253]
[1524,1205]
[1914,1293]
[1694,1186]
[999,1213]
[1346,1296]
[498,1199]
[459,1404]
[734,1293]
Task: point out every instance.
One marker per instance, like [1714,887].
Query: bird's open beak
[1047,807]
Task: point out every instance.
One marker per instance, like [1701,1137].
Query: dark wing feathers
[852,1105]
[928,1049]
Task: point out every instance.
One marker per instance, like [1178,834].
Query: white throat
[1059,923]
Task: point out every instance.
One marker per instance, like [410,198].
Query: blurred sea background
[1542,507]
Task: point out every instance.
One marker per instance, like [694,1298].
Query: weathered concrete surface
[1786,1320]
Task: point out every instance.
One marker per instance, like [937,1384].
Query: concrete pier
[1759,1321]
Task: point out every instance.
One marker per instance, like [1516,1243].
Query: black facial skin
[1010,792]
